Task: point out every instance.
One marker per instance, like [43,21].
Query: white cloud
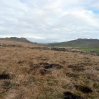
[49,20]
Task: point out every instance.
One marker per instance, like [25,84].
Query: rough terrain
[30,73]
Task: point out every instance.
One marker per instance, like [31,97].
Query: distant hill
[16,39]
[78,43]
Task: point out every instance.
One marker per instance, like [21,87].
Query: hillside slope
[16,39]
[29,73]
[89,45]
[78,43]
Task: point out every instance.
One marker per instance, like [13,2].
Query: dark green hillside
[78,43]
[82,44]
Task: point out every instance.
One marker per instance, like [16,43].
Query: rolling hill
[16,39]
[78,43]
[91,45]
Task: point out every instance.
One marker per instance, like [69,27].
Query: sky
[46,21]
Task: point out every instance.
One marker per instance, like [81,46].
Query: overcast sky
[49,20]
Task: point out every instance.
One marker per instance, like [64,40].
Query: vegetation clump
[84,89]
[4,76]
[69,95]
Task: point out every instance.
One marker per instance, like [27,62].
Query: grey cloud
[53,21]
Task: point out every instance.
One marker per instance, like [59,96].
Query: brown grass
[27,73]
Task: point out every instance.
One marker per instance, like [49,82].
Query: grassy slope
[29,80]
[90,49]
[82,44]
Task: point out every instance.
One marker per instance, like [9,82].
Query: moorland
[34,71]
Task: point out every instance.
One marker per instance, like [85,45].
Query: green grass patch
[89,49]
